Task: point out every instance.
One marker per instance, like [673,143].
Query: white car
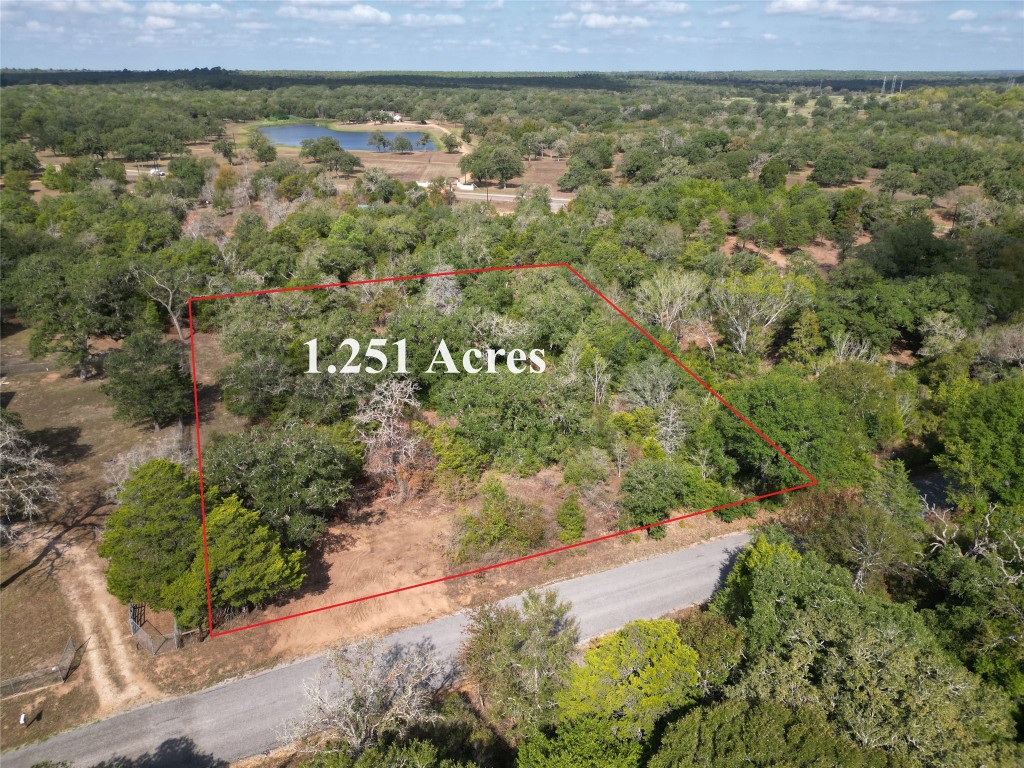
[156,172]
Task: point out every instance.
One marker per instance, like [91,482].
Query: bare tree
[370,690]
[444,292]
[599,377]
[649,385]
[170,286]
[491,329]
[845,347]
[171,447]
[941,332]
[390,445]
[28,480]
[672,428]
[679,302]
[203,226]
[748,306]
[1001,544]
[1003,345]
[670,299]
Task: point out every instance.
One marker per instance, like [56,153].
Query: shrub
[586,467]
[571,521]
[503,524]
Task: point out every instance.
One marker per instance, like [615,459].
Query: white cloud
[317,41]
[254,26]
[725,25]
[35,27]
[86,6]
[604,21]
[963,15]
[770,36]
[725,10]
[847,11]
[159,22]
[357,14]
[685,24]
[186,10]
[613,7]
[983,29]
[561,48]
[437,20]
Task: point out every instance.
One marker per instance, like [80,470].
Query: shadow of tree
[209,396]
[733,556]
[173,753]
[49,558]
[61,444]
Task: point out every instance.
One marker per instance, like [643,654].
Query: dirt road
[248,716]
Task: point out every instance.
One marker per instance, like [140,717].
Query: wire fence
[151,639]
[44,676]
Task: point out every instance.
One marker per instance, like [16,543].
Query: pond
[292,135]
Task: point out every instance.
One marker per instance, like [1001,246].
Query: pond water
[292,135]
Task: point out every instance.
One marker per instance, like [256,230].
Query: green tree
[262,148]
[322,461]
[933,182]
[639,165]
[503,524]
[719,648]
[70,297]
[378,140]
[451,142]
[805,340]
[871,666]
[517,659]
[773,173]
[147,380]
[650,490]
[319,148]
[762,734]
[173,275]
[834,167]
[581,743]
[805,422]
[976,603]
[18,156]
[628,681]
[401,144]
[414,754]
[153,537]
[248,565]
[226,148]
[983,442]
[869,540]
[894,178]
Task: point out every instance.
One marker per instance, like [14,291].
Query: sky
[513,35]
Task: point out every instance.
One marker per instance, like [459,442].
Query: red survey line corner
[811,481]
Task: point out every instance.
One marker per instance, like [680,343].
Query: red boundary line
[199,451]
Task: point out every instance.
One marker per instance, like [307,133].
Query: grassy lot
[35,623]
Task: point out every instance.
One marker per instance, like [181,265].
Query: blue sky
[884,35]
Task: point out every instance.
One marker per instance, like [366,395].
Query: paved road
[245,717]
